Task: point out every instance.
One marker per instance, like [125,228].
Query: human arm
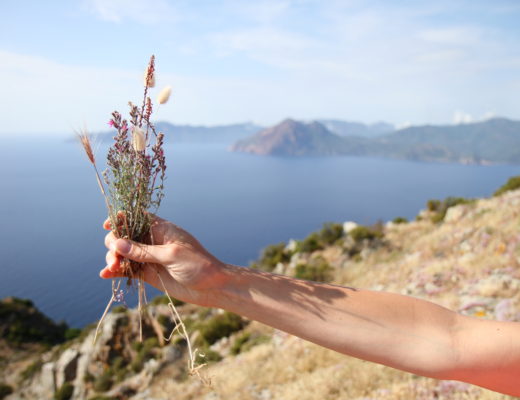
[399,331]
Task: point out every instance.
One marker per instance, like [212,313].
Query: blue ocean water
[51,240]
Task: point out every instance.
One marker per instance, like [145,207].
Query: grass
[64,392]
[220,326]
[513,183]
[317,270]
[31,370]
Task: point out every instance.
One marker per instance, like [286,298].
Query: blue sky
[64,64]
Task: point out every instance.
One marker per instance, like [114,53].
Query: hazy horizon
[67,134]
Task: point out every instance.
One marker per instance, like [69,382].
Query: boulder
[66,366]
[349,226]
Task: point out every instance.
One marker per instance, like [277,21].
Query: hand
[187,270]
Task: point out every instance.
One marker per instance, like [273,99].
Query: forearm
[399,331]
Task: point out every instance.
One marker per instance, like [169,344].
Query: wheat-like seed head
[164,95]
[84,138]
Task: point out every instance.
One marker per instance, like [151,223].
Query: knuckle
[139,251]
[173,251]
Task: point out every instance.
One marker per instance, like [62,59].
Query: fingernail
[123,246]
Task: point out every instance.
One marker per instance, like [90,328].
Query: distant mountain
[344,128]
[224,134]
[294,138]
[493,141]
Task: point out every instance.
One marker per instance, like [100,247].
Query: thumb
[140,252]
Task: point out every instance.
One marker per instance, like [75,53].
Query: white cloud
[461,117]
[141,11]
[404,125]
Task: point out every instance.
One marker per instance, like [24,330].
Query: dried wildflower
[138,139]
[164,95]
[149,76]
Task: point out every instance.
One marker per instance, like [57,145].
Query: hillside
[493,141]
[294,138]
[462,254]
[347,128]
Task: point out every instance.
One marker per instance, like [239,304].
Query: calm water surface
[51,211]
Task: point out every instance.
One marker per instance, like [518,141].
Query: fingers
[113,268]
[141,252]
[138,251]
[106,273]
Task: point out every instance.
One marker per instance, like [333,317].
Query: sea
[51,209]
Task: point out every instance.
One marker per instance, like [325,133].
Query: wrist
[223,287]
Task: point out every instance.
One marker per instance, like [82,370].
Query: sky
[69,64]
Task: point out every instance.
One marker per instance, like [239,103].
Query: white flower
[138,139]
[164,95]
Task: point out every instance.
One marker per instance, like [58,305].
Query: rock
[151,366]
[212,396]
[431,288]
[349,226]
[455,213]
[47,380]
[279,269]
[171,354]
[264,394]
[497,284]
[65,370]
[43,386]
[366,252]
[291,246]
[295,260]
[506,311]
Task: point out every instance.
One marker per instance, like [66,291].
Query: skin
[399,331]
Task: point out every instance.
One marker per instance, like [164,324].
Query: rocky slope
[465,257]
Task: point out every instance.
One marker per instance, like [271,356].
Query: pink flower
[111,123]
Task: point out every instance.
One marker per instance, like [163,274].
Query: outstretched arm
[399,331]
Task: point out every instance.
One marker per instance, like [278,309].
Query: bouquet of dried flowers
[133,185]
